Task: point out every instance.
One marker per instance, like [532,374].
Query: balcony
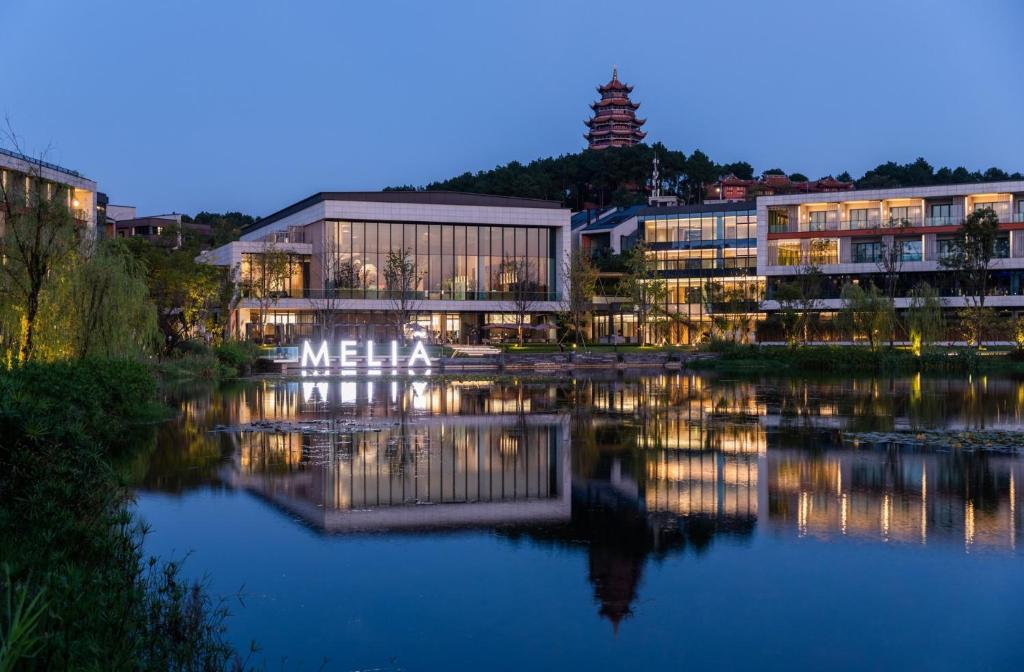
[875,225]
[418,295]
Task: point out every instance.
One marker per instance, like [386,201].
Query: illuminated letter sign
[311,359]
[347,351]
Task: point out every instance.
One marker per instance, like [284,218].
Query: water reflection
[628,471]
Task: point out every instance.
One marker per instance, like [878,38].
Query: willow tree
[107,306]
[37,237]
[924,317]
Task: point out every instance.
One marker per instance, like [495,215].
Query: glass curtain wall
[709,263]
[453,261]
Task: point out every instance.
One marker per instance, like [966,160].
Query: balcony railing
[874,224]
[425,295]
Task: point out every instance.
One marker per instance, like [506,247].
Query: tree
[799,298]
[700,170]
[581,275]
[728,309]
[970,257]
[265,273]
[645,287]
[335,274]
[890,264]
[400,280]
[740,169]
[517,276]
[38,237]
[110,313]
[192,299]
[924,317]
[866,312]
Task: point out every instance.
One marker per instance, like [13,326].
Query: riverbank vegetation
[78,590]
[80,340]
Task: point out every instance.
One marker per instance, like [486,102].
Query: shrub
[71,551]
[241,356]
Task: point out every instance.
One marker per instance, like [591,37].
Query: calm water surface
[628,522]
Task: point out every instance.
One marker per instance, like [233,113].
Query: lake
[608,522]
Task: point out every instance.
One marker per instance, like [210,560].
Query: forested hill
[619,176]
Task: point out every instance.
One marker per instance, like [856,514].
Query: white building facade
[462,245]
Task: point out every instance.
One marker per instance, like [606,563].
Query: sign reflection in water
[625,469]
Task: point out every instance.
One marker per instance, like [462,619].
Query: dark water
[638,523]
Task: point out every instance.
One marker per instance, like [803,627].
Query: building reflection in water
[476,456]
[630,470]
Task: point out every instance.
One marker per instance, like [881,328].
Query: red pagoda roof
[620,117]
[605,102]
[614,84]
[611,127]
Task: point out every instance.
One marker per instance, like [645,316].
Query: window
[817,220]
[859,218]
[778,221]
[899,215]
[867,252]
[947,247]
[991,205]
[824,251]
[1001,247]
[785,253]
[910,250]
[941,214]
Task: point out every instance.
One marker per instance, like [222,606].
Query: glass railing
[418,295]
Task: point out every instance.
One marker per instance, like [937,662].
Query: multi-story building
[704,253]
[21,174]
[844,235]
[462,246]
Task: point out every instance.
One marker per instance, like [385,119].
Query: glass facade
[707,257]
[452,261]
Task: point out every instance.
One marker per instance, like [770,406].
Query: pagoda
[614,123]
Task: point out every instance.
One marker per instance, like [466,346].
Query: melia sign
[347,351]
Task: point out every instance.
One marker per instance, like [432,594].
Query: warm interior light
[74,202]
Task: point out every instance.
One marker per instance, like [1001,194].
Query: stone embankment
[547,362]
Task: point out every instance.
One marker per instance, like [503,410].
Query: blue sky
[218,105]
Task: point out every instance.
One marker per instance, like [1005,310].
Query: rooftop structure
[614,123]
[732,188]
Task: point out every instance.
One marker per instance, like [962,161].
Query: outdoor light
[74,202]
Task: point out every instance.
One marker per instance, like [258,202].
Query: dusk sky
[203,105]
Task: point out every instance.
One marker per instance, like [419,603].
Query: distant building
[732,188]
[20,174]
[152,227]
[614,123]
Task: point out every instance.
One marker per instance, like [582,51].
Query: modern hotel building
[731,257]
[461,245]
[844,235]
